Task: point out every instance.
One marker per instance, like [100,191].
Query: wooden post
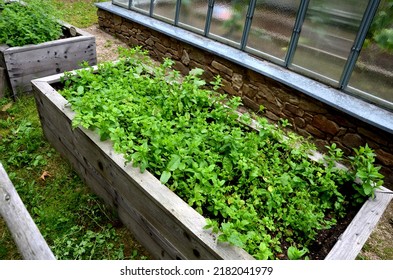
[24,231]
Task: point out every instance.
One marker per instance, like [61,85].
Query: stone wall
[309,117]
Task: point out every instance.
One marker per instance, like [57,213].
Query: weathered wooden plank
[51,44]
[24,231]
[27,64]
[352,240]
[178,227]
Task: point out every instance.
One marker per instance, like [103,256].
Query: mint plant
[296,254]
[31,22]
[256,188]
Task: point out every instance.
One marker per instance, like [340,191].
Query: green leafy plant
[366,172]
[256,187]
[30,22]
[296,254]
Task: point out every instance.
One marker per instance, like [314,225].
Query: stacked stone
[309,117]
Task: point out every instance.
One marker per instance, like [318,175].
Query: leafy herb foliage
[257,188]
[30,23]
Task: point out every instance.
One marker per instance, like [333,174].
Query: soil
[379,246]
[106,45]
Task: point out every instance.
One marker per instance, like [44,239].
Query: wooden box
[23,64]
[158,218]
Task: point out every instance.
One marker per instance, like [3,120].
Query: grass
[75,223]
[80,13]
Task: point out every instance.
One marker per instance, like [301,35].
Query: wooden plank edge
[12,50]
[55,78]
[356,234]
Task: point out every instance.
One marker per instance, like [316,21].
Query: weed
[108,44]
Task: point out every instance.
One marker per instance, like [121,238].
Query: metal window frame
[365,24]
[209,17]
[177,12]
[301,15]
[247,25]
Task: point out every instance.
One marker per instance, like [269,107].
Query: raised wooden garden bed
[23,64]
[167,226]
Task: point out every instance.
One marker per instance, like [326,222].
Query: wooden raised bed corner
[159,219]
[23,64]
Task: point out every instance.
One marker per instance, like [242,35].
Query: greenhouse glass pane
[123,3]
[229,18]
[141,5]
[272,26]
[373,72]
[165,9]
[327,35]
[193,13]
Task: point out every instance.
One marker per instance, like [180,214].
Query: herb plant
[32,22]
[257,188]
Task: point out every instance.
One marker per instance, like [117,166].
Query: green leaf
[174,163]
[295,254]
[235,239]
[165,177]
[80,90]
[263,252]
[196,72]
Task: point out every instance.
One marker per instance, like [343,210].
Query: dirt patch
[106,45]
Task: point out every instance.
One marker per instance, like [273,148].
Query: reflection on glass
[327,35]
[141,5]
[193,13]
[229,18]
[165,9]
[123,3]
[373,73]
[272,26]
